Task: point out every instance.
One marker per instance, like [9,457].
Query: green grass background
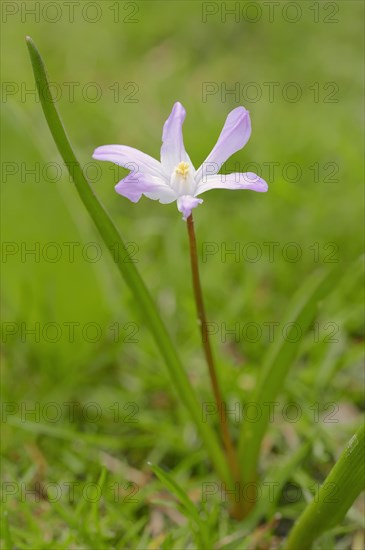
[169,52]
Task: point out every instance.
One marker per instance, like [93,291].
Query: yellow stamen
[182,169]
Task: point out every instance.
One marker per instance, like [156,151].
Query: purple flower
[175,178]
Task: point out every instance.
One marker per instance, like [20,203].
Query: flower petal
[129,158]
[249,180]
[235,134]
[135,185]
[163,193]
[186,203]
[173,150]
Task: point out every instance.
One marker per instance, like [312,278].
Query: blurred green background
[141,57]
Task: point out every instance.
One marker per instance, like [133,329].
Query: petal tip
[125,191]
[186,203]
[256,183]
[178,105]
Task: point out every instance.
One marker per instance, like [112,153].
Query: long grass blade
[342,486]
[277,363]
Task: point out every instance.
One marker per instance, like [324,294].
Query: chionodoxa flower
[175,178]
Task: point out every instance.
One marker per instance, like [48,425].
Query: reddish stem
[225,435]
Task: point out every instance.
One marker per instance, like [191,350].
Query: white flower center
[182,179]
[182,169]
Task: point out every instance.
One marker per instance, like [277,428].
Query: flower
[175,178]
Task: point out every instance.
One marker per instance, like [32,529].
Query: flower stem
[225,435]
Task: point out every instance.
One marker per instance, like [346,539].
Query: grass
[115,380]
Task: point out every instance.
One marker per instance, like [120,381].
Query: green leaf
[95,508]
[275,479]
[131,532]
[5,530]
[188,507]
[128,270]
[342,486]
[278,361]
[180,494]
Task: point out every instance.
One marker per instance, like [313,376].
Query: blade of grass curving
[277,363]
[132,532]
[189,508]
[175,489]
[275,480]
[128,270]
[342,486]
[94,518]
[5,530]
